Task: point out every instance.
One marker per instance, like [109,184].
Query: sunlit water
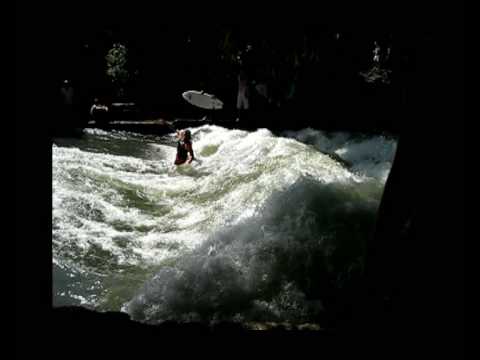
[259,228]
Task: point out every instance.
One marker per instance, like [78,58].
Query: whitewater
[260,227]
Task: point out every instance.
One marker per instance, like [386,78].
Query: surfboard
[202,100]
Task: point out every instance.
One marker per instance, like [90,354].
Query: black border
[37,25]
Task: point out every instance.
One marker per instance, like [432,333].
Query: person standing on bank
[243,95]
[99,112]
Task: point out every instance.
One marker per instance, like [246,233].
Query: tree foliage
[117,69]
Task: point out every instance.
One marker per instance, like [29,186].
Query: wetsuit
[183,149]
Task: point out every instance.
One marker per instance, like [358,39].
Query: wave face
[259,228]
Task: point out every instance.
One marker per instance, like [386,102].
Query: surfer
[184,147]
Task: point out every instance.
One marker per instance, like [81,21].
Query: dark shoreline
[157,125]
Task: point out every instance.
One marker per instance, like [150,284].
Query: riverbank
[276,121]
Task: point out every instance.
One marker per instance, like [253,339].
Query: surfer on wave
[184,147]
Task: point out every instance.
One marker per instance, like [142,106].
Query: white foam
[369,156]
[139,212]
